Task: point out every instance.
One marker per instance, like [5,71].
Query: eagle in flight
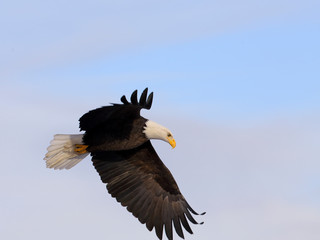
[118,139]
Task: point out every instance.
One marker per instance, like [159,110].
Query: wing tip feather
[145,101]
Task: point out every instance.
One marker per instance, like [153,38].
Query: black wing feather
[167,217]
[157,218]
[177,226]
[149,101]
[139,180]
[124,100]
[134,97]
[143,98]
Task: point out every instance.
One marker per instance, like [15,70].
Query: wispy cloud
[39,34]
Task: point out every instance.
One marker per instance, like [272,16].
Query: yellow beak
[172,142]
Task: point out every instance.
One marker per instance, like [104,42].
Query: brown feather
[139,180]
[177,226]
[157,218]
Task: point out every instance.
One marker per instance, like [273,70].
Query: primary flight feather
[118,139]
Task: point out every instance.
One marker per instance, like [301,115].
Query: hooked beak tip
[172,142]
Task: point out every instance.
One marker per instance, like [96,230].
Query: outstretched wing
[141,182]
[119,112]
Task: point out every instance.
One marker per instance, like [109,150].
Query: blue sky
[236,82]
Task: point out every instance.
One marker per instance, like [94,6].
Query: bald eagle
[118,139]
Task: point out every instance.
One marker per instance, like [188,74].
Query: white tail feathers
[61,153]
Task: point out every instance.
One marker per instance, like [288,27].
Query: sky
[236,82]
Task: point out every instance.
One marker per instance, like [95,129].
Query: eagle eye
[169,135]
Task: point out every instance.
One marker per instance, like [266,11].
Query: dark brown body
[135,138]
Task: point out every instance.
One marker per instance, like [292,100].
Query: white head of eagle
[153,130]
